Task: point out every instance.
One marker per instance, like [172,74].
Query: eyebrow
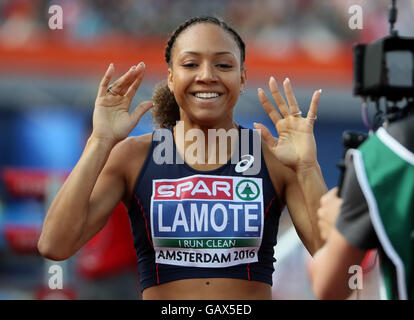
[217,53]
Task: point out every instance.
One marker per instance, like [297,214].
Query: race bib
[207,221]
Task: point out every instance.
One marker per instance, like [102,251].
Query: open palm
[296,144]
[111,119]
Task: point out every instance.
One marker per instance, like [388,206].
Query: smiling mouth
[206,95]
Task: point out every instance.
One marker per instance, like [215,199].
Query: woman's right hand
[111,120]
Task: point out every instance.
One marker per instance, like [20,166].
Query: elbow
[324,285]
[322,292]
[327,289]
[51,252]
[326,293]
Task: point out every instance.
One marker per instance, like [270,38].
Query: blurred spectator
[264,20]
[18,22]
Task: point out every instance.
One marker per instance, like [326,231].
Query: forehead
[206,38]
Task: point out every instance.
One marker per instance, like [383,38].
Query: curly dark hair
[166,110]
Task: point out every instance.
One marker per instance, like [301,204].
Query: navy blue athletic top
[187,223]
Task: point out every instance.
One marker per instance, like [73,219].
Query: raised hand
[296,145]
[111,120]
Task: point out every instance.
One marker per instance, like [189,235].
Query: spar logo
[195,187]
[247,190]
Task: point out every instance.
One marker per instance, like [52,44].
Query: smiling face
[206,75]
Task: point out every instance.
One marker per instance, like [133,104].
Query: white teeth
[204,95]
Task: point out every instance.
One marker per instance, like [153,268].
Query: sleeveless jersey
[385,171]
[187,223]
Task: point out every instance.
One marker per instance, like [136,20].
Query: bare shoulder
[129,156]
[132,146]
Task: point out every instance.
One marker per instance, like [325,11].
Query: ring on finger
[297,114]
[312,118]
[112,91]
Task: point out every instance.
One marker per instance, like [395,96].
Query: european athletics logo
[207,221]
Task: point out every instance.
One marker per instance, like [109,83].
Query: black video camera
[382,69]
[385,68]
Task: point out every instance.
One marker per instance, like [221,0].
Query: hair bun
[165,111]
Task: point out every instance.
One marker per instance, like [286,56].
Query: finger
[121,85]
[325,226]
[324,234]
[140,110]
[324,199]
[290,96]
[266,135]
[280,102]
[268,106]
[320,213]
[322,229]
[103,85]
[332,194]
[313,109]
[323,213]
[137,82]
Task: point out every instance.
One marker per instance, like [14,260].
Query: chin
[206,117]
[207,121]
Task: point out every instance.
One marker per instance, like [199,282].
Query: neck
[206,145]
[225,123]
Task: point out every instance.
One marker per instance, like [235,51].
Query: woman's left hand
[296,147]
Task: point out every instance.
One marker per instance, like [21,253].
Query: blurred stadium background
[48,83]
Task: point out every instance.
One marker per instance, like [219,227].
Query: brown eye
[189,65]
[225,66]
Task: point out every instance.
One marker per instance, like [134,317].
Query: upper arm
[330,267]
[106,194]
[111,186]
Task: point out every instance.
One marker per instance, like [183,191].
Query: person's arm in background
[329,269]
[296,150]
[349,234]
[353,233]
[97,183]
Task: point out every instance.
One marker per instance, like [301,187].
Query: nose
[207,73]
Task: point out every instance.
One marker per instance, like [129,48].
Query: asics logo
[245,163]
